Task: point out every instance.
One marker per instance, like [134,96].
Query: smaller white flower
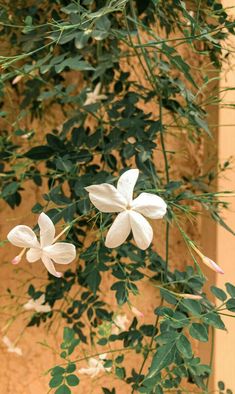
[131,213]
[95,366]
[37,305]
[46,250]
[11,348]
[120,324]
[95,96]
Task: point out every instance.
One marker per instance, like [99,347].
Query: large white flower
[107,198]
[95,366]
[46,250]
[11,348]
[37,305]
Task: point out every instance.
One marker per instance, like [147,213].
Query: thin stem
[211,353]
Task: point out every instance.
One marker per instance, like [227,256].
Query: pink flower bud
[16,260]
[136,312]
[211,264]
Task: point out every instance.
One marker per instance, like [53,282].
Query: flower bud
[136,312]
[16,260]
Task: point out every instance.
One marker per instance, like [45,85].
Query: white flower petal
[61,252]
[40,300]
[92,372]
[47,230]
[126,184]
[93,363]
[103,356]
[150,205]
[43,308]
[106,198]
[97,89]
[10,346]
[142,231]
[50,266]
[33,254]
[23,237]
[119,230]
[29,305]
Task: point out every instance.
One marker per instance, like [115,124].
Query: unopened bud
[136,312]
[16,260]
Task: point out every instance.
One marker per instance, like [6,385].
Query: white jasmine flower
[11,348]
[206,260]
[120,324]
[37,305]
[136,312]
[95,366]
[46,250]
[107,198]
[95,96]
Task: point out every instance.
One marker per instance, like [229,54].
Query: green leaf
[163,357]
[121,292]
[213,319]
[63,390]
[192,306]
[71,368]
[230,304]
[68,334]
[199,332]
[221,385]
[42,152]
[9,189]
[57,371]
[230,289]
[56,381]
[120,372]
[72,380]
[184,346]
[219,293]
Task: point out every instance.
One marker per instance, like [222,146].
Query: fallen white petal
[126,184]
[50,266]
[23,237]
[33,255]
[61,252]
[119,230]
[150,205]
[142,231]
[47,230]
[106,198]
